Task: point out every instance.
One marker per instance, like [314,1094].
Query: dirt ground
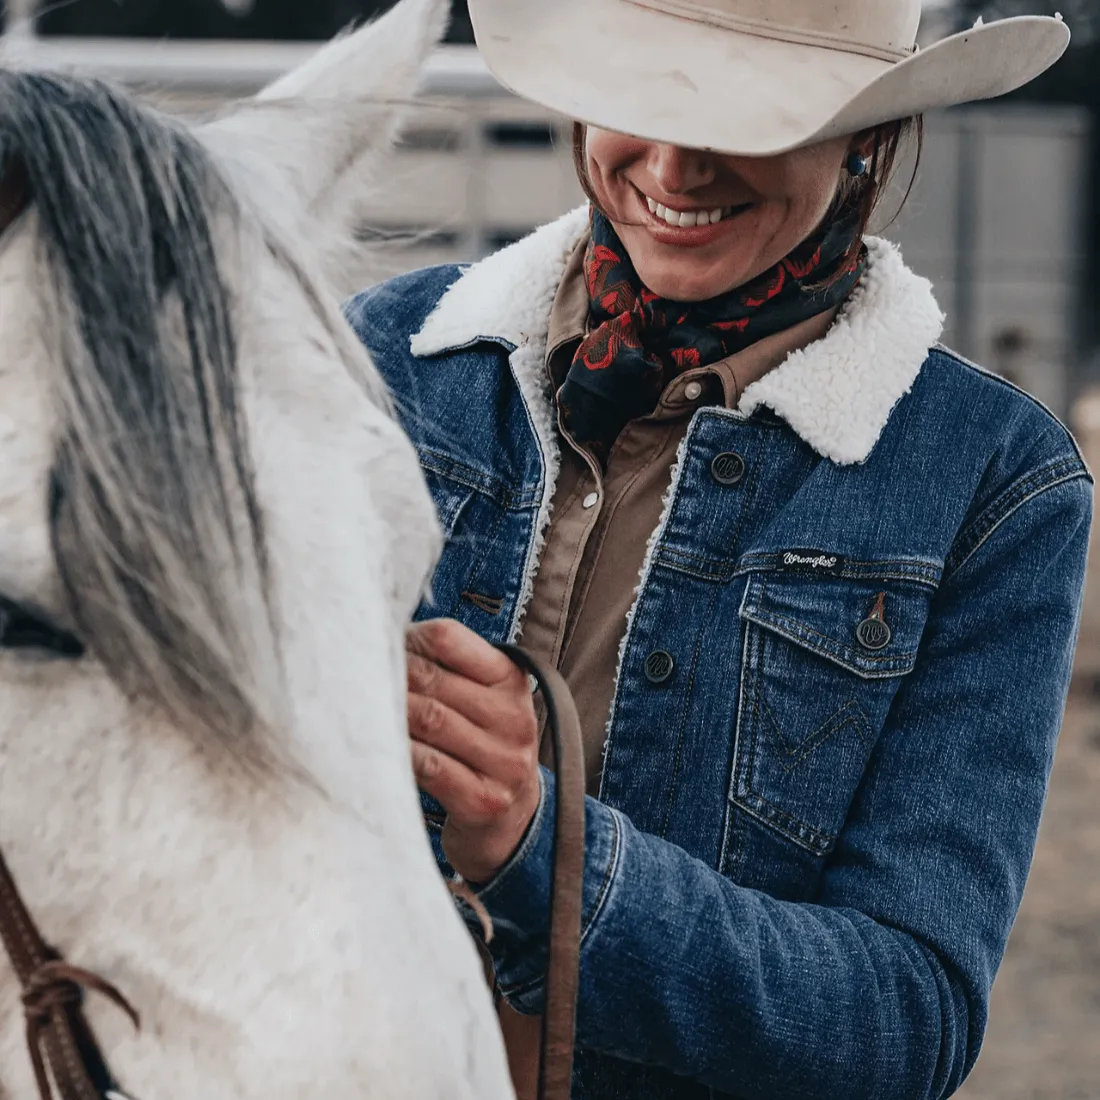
[1043,1041]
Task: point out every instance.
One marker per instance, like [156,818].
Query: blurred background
[1004,218]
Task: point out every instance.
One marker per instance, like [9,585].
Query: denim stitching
[915,572]
[446,466]
[754,613]
[488,543]
[1006,505]
[1008,515]
[728,859]
[678,754]
[888,663]
[781,821]
[722,570]
[532,984]
[788,826]
[822,735]
[609,876]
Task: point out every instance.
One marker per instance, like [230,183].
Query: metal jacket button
[873,634]
[659,667]
[727,468]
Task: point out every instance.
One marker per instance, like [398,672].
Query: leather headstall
[64,1054]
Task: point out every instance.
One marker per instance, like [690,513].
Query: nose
[678,171]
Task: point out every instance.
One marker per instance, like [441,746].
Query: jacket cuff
[518,898]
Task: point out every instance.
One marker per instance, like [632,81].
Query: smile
[689,219]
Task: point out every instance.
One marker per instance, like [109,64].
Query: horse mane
[156,527]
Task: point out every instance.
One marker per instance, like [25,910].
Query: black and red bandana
[637,343]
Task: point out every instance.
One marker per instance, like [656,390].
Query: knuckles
[488,804]
[431,715]
[435,637]
[427,764]
[518,768]
[423,674]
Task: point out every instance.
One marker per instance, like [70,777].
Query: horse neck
[351,533]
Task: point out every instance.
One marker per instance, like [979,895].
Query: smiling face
[698,224]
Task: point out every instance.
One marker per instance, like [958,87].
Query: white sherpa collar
[837,393]
[507,297]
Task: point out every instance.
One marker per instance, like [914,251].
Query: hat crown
[864,26]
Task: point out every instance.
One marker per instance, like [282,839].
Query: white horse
[214,807]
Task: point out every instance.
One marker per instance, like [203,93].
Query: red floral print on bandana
[638,342]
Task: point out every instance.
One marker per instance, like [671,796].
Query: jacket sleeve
[881,987]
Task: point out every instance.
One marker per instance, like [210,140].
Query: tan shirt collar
[568,326]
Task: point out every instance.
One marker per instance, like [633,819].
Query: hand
[475,743]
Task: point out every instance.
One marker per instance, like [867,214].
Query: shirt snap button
[873,634]
[659,667]
[591,500]
[693,391]
[727,468]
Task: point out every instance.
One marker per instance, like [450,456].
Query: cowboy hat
[750,77]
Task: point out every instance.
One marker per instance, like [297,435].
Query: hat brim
[627,68]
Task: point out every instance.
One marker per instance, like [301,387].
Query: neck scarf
[637,342]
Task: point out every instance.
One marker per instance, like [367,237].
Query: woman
[818,728]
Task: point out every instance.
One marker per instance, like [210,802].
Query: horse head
[212,532]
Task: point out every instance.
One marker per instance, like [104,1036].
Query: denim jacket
[813,834]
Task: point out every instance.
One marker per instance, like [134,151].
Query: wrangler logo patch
[811,561]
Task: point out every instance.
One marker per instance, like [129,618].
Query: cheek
[812,180]
[609,155]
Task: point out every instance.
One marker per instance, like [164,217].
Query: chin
[688,277]
[690,285]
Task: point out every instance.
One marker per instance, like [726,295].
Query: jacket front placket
[662,732]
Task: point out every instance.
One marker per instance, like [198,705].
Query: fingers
[474,743]
[459,649]
[473,799]
[502,757]
[485,707]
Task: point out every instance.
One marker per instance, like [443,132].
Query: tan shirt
[600,526]
[601,521]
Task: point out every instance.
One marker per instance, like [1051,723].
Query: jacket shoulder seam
[1031,485]
[1004,383]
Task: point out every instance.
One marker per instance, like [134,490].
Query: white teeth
[687,219]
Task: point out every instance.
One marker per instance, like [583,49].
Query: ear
[864,143]
[326,121]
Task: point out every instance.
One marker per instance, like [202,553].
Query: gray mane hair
[157,530]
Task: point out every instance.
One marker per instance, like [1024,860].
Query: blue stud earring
[857,165]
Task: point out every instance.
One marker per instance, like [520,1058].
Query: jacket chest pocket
[822,662]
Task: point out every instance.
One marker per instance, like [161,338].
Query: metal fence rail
[479,168]
[221,68]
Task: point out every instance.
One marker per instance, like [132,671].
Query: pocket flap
[871,628]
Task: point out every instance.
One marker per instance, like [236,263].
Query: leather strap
[559,1019]
[63,1049]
